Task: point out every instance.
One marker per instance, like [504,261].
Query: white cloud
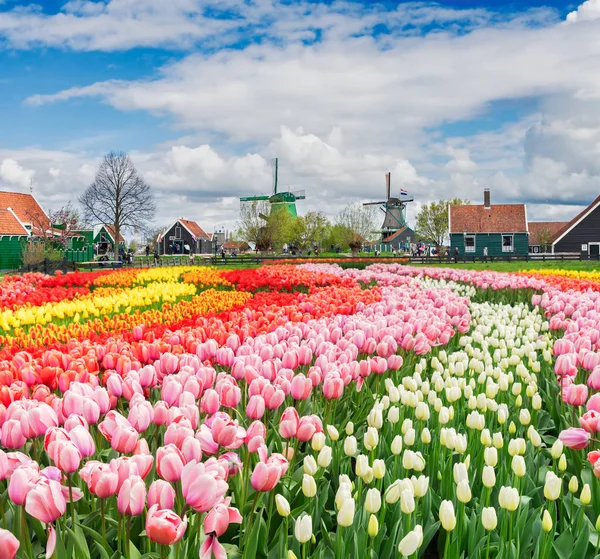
[13,173]
[589,10]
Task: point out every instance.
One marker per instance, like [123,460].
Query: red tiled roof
[240,245]
[499,218]
[25,207]
[194,229]
[567,226]
[111,232]
[9,224]
[537,228]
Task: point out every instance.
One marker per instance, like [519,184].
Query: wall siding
[10,252]
[586,231]
[494,243]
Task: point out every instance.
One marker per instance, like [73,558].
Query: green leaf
[96,537]
[252,540]
[80,544]
[101,551]
[581,545]
[563,545]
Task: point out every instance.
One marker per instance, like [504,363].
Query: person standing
[147,251]
[485,254]
[456,255]
[156,256]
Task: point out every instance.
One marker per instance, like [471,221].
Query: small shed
[541,234]
[104,239]
[236,247]
[581,234]
[501,228]
[184,233]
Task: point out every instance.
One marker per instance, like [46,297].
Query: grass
[587,266]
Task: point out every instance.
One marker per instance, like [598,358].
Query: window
[507,243]
[178,232]
[469,243]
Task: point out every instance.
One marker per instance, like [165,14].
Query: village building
[581,234]
[492,229]
[541,234]
[184,233]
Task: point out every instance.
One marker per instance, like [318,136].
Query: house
[541,234]
[501,228]
[104,239]
[581,234]
[235,246]
[21,218]
[181,234]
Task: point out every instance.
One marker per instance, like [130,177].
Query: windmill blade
[374,203]
[275,167]
[388,186]
[299,194]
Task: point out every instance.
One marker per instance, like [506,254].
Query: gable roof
[110,229]
[499,218]
[10,224]
[576,220]
[239,245]
[194,229]
[391,237]
[26,209]
[537,228]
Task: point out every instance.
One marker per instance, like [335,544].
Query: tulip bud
[518,466]
[497,440]
[409,437]
[586,495]
[573,484]
[485,438]
[309,486]
[420,485]
[447,516]
[349,428]
[392,494]
[425,436]
[512,428]
[318,441]
[378,469]
[488,476]
[397,445]
[393,415]
[562,463]
[350,446]
[283,506]
[371,438]
[407,501]
[303,528]
[536,402]
[373,527]
[373,501]
[490,456]
[362,465]
[556,450]
[463,491]
[552,486]
[291,555]
[489,519]
[411,542]
[333,433]
[310,466]
[324,458]
[546,521]
[345,516]
[598,524]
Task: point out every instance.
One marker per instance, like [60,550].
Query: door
[594,250]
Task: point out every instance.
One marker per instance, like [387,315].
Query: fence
[50,266]
[464,258]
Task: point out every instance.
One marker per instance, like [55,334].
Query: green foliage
[356,225]
[309,230]
[432,221]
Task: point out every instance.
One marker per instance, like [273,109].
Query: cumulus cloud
[589,10]
[13,173]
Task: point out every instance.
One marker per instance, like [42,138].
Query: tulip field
[300,412]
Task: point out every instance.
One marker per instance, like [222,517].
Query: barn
[541,234]
[581,234]
[181,234]
[499,228]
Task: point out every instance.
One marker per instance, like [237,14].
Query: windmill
[393,208]
[279,200]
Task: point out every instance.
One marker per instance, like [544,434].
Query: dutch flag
[403,192]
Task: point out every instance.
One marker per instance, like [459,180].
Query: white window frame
[474,247]
[178,233]
[512,242]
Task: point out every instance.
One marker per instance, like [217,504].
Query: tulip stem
[72,504]
[127,536]
[2,514]
[103,519]
[447,544]
[487,552]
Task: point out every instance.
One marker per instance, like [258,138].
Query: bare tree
[57,227]
[119,196]
[357,224]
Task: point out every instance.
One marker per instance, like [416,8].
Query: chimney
[388,185]
[486,198]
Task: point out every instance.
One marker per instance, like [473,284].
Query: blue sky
[203,93]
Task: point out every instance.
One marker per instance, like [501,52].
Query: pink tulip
[65,455]
[83,440]
[191,450]
[202,488]
[231,461]
[125,468]
[576,394]
[164,526]
[9,544]
[288,426]
[575,438]
[178,431]
[132,496]
[230,395]
[12,435]
[395,362]
[268,472]
[307,427]
[171,390]
[169,462]
[162,494]
[41,418]
[225,356]
[256,407]
[290,360]
[102,481]
[301,387]
[142,458]
[46,501]
[590,421]
[564,366]
[220,517]
[226,432]
[593,380]
[333,386]
[161,411]
[210,401]
[22,481]
[594,403]
[141,416]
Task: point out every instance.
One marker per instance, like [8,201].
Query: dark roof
[10,225]
[574,221]
[536,228]
[499,218]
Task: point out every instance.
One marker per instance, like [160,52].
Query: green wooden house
[104,239]
[500,230]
